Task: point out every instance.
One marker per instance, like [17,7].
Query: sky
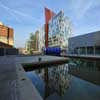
[26,16]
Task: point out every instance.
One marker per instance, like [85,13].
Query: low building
[85,44]
[22,51]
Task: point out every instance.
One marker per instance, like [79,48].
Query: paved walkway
[14,85]
[35,59]
[8,79]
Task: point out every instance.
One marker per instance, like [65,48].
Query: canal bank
[61,84]
[14,85]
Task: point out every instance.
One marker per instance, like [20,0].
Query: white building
[59,31]
[41,39]
[36,42]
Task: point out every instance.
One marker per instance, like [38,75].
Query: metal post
[94,50]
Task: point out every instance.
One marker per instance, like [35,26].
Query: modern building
[85,44]
[32,43]
[59,31]
[36,41]
[6,36]
[41,39]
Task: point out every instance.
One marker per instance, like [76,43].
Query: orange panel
[48,15]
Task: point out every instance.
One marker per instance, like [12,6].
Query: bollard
[39,59]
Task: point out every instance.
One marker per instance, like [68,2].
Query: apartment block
[59,31]
[6,35]
[3,34]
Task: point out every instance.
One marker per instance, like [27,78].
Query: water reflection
[85,69]
[37,81]
[59,79]
[55,79]
[85,64]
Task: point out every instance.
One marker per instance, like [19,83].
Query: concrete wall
[1,51]
[11,51]
[8,51]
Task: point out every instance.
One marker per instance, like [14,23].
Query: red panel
[48,15]
[46,35]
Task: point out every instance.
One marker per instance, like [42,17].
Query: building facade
[85,44]
[41,39]
[36,41]
[32,43]
[59,31]
[6,36]
[22,51]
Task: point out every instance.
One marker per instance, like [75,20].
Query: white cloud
[17,14]
[81,7]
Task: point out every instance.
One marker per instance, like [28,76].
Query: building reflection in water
[85,69]
[57,79]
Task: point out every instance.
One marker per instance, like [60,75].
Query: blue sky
[26,16]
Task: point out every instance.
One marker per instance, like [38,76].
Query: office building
[85,44]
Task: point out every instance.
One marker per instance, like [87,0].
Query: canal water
[76,80]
